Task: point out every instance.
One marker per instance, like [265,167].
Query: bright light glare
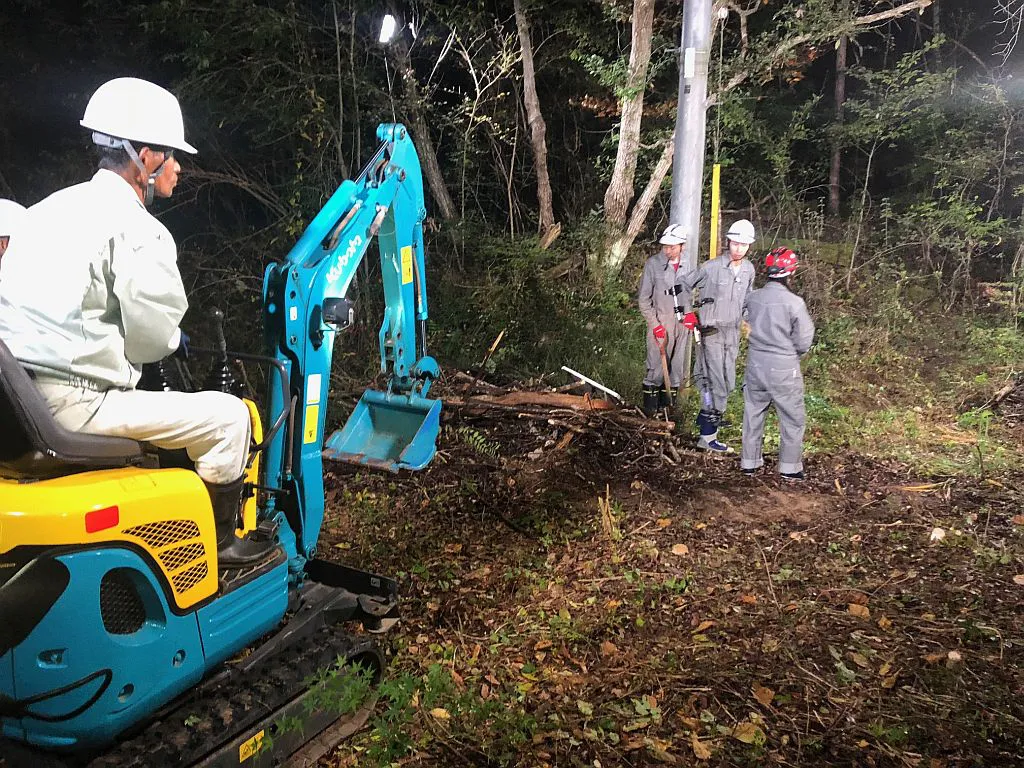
[387,29]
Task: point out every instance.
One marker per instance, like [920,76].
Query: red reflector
[101,519]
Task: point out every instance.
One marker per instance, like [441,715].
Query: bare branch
[858,23]
[1011,13]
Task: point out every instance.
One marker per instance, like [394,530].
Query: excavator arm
[306,303]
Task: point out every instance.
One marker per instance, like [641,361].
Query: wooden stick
[494,346]
[550,399]
[596,417]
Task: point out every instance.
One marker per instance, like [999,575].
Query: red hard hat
[781,262]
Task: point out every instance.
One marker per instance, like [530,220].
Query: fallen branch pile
[615,430]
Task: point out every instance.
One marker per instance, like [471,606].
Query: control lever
[220,378]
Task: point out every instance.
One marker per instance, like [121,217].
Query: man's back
[74,284]
[779,322]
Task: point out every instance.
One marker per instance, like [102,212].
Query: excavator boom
[306,303]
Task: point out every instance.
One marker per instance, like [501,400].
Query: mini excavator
[123,642]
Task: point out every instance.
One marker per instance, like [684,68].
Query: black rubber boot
[668,399]
[651,401]
[232,551]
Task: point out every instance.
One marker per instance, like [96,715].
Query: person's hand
[660,333]
[745,329]
[182,351]
[689,321]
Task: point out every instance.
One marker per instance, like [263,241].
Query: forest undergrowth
[568,603]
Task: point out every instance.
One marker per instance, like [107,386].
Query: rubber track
[202,722]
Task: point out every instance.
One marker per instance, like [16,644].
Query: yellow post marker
[716,174]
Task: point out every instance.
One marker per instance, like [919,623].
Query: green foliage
[993,346]
[596,330]
[894,101]
[449,712]
[478,442]
[339,690]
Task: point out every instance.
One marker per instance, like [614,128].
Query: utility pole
[691,117]
[691,114]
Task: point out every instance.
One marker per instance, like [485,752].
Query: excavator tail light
[102,519]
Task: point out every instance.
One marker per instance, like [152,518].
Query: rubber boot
[651,400]
[708,423]
[669,399]
[232,551]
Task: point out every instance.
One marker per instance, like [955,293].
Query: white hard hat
[11,214]
[741,231]
[136,110]
[674,234]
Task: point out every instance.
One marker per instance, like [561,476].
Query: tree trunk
[619,245]
[837,146]
[342,165]
[420,130]
[538,142]
[860,216]
[620,190]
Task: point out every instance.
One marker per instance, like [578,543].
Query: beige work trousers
[212,427]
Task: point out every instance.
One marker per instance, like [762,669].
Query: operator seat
[33,445]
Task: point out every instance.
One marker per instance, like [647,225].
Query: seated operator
[90,291]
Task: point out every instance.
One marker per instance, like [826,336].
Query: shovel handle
[666,379]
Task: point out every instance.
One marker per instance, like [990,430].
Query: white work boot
[712,444]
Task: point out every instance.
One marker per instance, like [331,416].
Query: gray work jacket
[779,322]
[656,304]
[90,288]
[716,280]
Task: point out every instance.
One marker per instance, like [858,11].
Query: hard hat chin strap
[115,143]
[150,177]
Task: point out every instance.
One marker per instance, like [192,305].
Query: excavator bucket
[390,432]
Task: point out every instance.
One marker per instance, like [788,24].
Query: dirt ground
[593,605]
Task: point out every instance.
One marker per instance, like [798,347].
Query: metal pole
[688,159]
[691,116]
[716,187]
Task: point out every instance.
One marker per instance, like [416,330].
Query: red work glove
[659,333]
[689,321]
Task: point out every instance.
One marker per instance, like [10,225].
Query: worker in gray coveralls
[780,332]
[724,283]
[662,309]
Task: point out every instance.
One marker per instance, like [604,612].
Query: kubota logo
[353,246]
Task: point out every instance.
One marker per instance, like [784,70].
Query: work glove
[689,321]
[182,351]
[659,333]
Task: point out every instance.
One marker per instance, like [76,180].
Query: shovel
[666,379]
